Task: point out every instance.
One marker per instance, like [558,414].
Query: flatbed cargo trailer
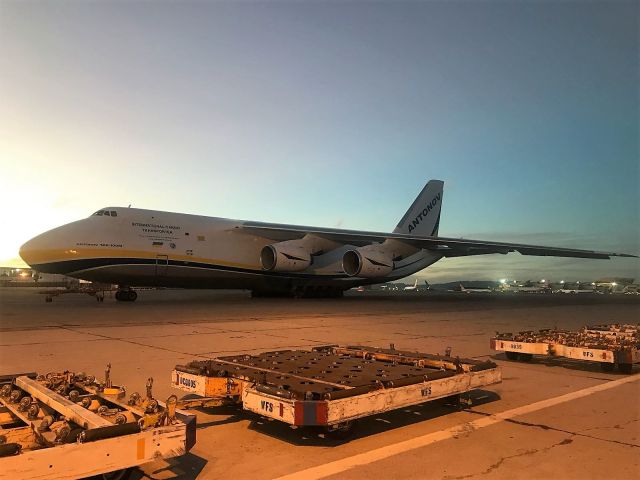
[94,290]
[609,345]
[68,425]
[332,386]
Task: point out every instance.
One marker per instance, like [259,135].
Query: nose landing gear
[125,294]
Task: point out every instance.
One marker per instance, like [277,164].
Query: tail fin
[423,217]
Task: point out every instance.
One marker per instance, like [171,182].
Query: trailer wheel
[341,431]
[625,368]
[525,357]
[512,355]
[607,367]
[117,474]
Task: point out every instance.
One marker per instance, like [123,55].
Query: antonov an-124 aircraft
[134,247]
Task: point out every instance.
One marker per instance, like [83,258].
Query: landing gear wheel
[512,355]
[341,431]
[607,367]
[625,368]
[126,295]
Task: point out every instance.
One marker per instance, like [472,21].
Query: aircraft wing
[448,247]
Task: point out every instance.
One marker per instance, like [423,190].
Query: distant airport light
[543,281]
[613,284]
[503,281]
[562,282]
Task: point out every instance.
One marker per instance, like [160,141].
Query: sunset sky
[331,114]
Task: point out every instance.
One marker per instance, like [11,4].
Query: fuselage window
[114,213]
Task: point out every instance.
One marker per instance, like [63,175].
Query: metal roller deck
[68,425]
[610,345]
[331,386]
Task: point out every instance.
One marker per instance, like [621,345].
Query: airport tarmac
[560,419]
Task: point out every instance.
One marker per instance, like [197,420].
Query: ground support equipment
[331,386]
[94,290]
[68,425]
[610,345]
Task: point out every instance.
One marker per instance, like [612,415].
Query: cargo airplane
[134,247]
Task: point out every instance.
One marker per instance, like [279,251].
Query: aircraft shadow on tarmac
[567,363]
[365,427]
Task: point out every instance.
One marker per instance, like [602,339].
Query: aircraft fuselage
[138,247]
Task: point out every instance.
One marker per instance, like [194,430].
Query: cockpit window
[108,213]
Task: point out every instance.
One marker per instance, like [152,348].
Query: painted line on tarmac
[339,466]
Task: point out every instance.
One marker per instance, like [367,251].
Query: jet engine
[368,262]
[289,256]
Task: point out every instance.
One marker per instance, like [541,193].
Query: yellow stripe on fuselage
[38,257]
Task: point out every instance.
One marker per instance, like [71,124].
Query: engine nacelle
[367,262]
[287,256]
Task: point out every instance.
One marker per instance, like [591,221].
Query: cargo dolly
[94,290]
[610,345]
[331,386]
[69,425]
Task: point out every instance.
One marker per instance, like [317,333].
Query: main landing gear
[125,294]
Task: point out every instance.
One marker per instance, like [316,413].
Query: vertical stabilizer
[423,217]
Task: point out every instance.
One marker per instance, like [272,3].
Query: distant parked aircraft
[529,287]
[411,288]
[474,290]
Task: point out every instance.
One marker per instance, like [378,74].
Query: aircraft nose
[31,251]
[48,251]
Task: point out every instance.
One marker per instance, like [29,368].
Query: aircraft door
[162,264]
